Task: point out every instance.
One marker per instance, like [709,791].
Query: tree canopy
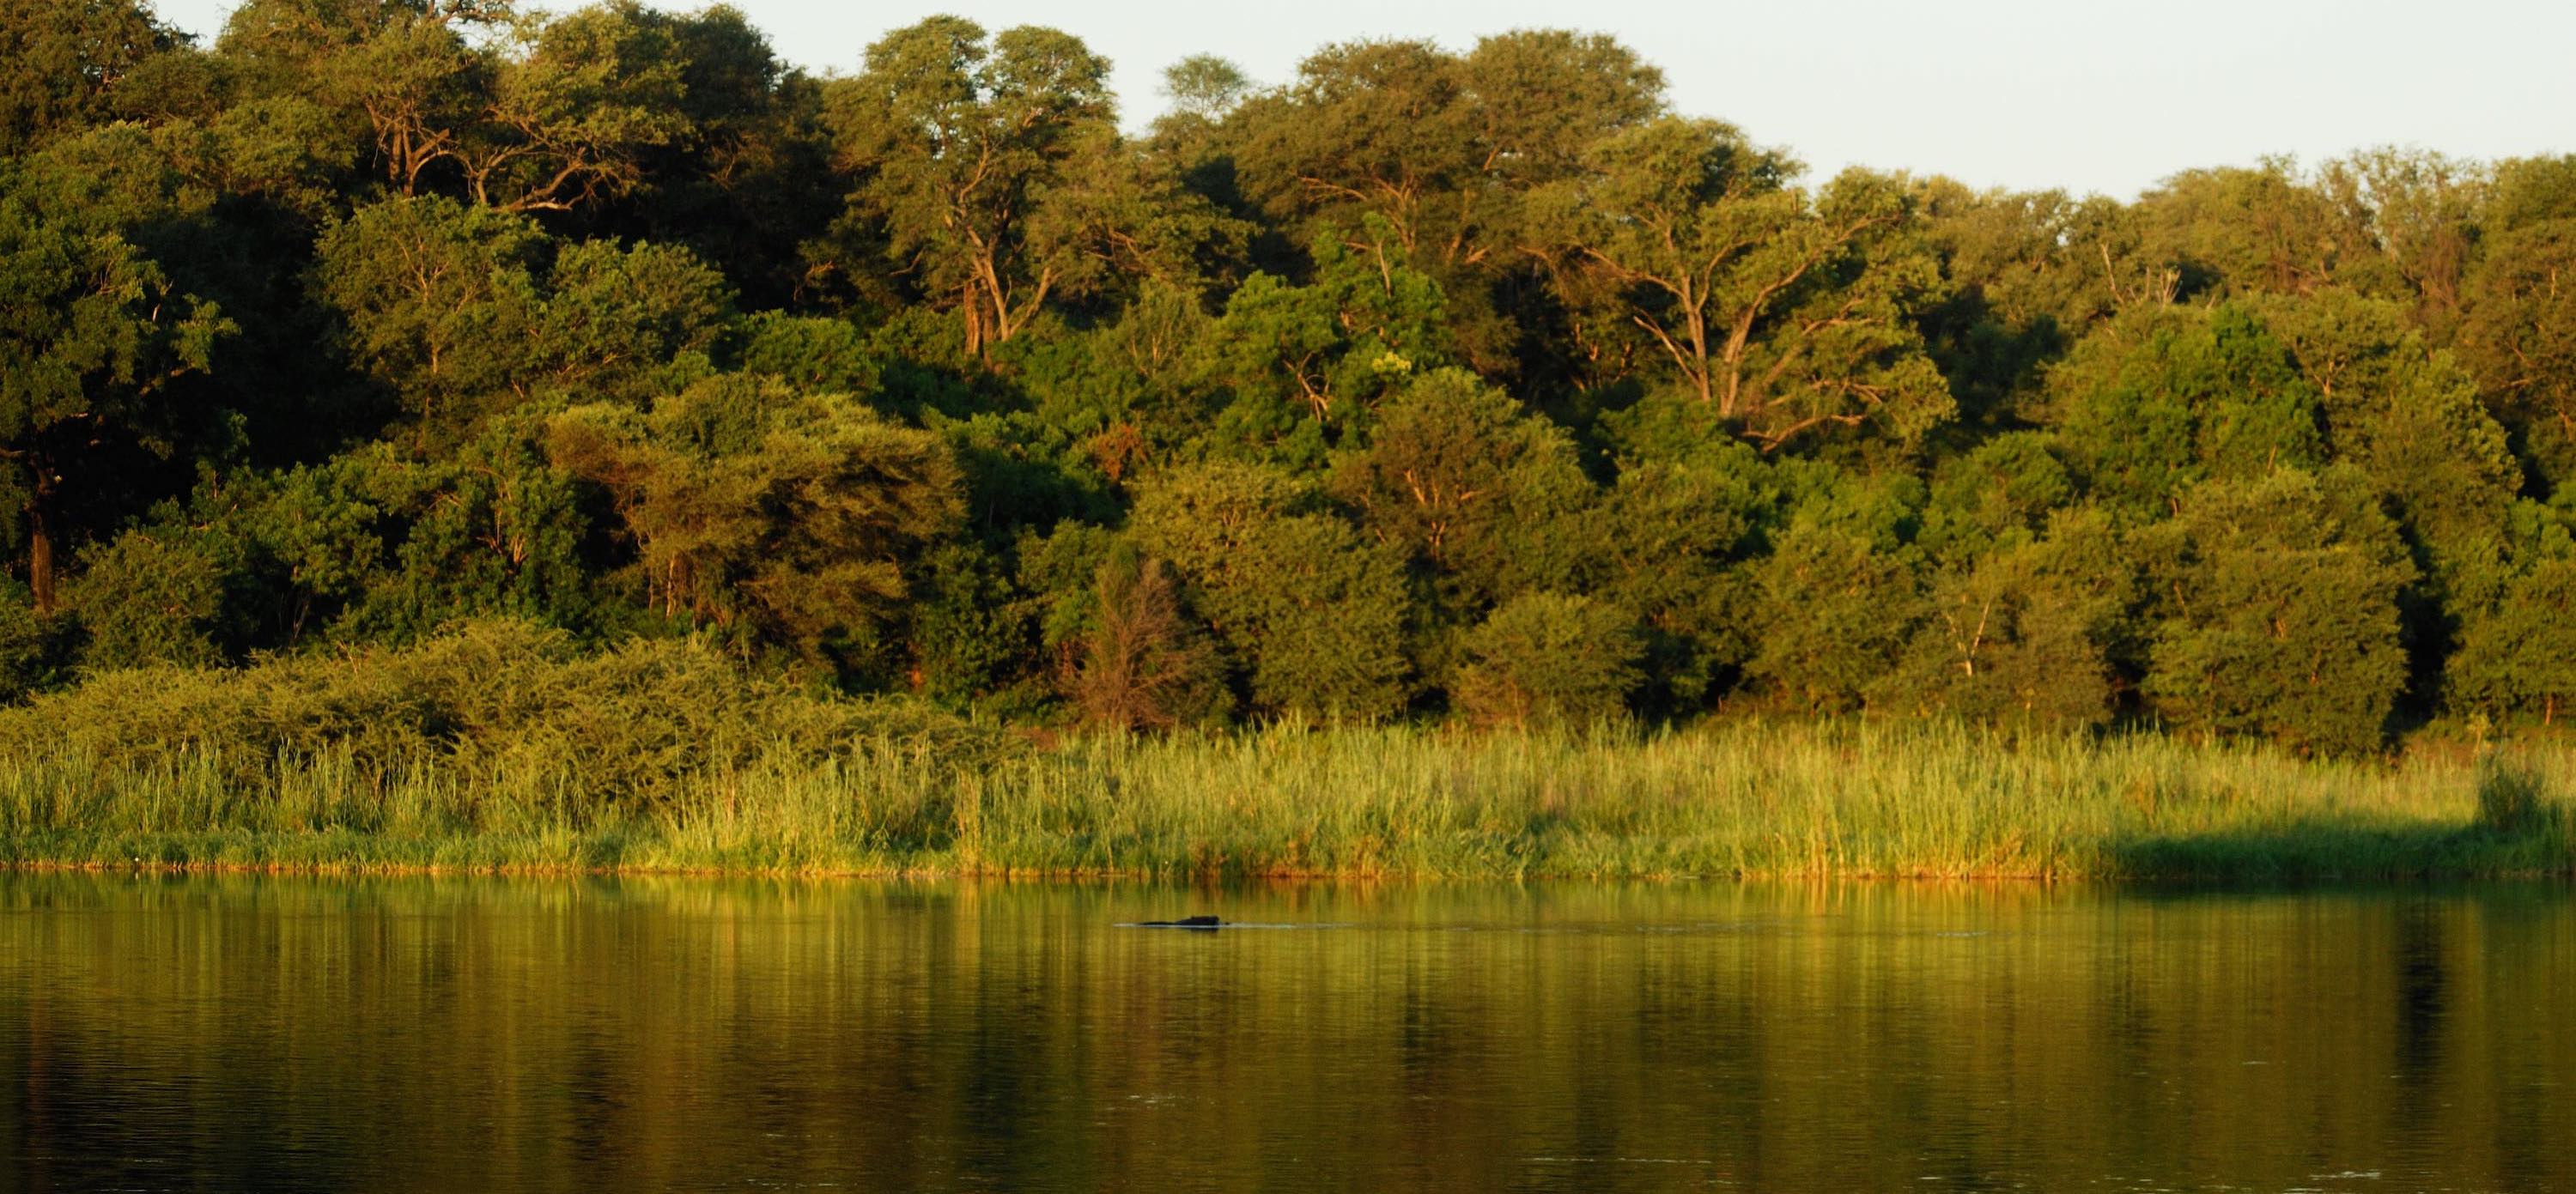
[1427,382]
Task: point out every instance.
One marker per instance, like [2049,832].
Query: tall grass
[1731,799]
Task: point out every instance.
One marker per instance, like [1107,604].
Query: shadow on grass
[2332,848]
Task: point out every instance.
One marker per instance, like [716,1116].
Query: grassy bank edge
[1748,800]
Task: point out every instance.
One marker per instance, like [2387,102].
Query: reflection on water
[245,1033]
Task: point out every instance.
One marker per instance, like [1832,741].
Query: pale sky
[2088,95]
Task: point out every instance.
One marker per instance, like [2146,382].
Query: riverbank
[1737,799]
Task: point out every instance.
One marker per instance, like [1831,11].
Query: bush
[491,698]
[1548,658]
[32,649]
[2511,799]
[2280,613]
[1144,665]
[150,599]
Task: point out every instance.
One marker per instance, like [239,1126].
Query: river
[241,1032]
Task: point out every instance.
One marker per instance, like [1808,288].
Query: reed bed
[1731,799]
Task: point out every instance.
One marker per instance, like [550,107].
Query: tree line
[1429,383]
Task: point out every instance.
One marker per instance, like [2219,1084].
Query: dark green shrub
[1549,658]
[489,698]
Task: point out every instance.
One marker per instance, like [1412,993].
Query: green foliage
[450,307]
[989,178]
[92,336]
[1142,663]
[1402,146]
[149,599]
[1996,496]
[2409,417]
[968,627]
[2155,404]
[33,650]
[625,323]
[2017,638]
[1548,658]
[791,513]
[1468,379]
[1667,543]
[1312,612]
[2520,658]
[1785,314]
[64,63]
[491,529]
[2520,337]
[2246,230]
[1326,350]
[2277,613]
[1463,479]
[1835,611]
[809,353]
[439,301]
[622,729]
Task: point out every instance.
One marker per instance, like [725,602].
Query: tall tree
[2520,336]
[989,177]
[2277,611]
[410,77]
[1780,313]
[789,515]
[61,62]
[1441,151]
[91,337]
[1463,479]
[576,103]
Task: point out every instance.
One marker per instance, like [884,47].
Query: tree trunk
[40,555]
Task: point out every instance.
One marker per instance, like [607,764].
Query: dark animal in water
[1187,922]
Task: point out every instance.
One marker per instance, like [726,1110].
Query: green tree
[438,299]
[2521,657]
[488,527]
[62,63]
[149,598]
[1459,477]
[2016,636]
[746,178]
[990,179]
[92,338]
[1782,313]
[1670,542]
[575,105]
[1995,496]
[34,651]
[2277,612]
[456,310]
[1545,658]
[2156,401]
[409,77]
[2519,336]
[624,321]
[1400,146]
[2260,230]
[1365,323]
[1317,615]
[2420,210]
[1833,611]
[1204,86]
[791,515]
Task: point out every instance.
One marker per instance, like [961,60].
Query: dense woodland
[1427,384]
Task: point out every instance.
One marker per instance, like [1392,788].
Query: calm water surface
[241,1033]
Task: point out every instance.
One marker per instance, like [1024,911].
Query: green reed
[1742,798]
